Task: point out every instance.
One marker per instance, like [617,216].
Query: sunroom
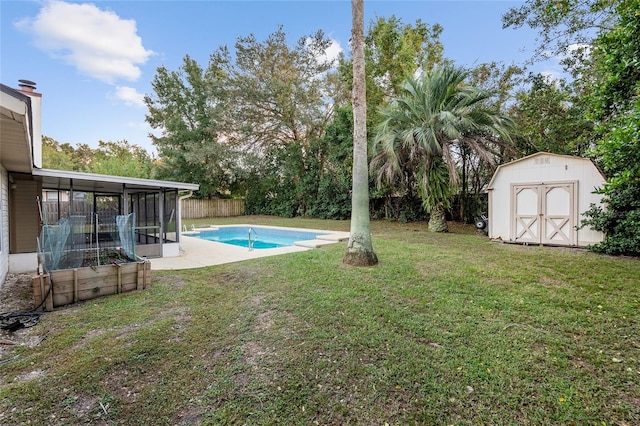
[91,203]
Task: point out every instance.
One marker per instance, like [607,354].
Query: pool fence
[196,209]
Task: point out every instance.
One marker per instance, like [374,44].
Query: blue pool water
[261,238]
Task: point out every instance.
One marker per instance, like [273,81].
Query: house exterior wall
[4,224]
[25,217]
[541,169]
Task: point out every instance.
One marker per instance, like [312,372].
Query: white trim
[20,263]
[94,177]
[170,249]
[4,225]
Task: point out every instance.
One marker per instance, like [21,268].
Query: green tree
[619,154]
[277,94]
[360,247]
[550,117]
[393,52]
[474,172]
[265,104]
[565,27]
[56,155]
[605,65]
[110,158]
[422,130]
[616,107]
[81,157]
[279,99]
[498,78]
[122,159]
[328,177]
[188,107]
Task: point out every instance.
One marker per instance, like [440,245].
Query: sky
[94,61]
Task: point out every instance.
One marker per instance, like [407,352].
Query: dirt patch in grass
[124,386]
[182,320]
[240,275]
[82,407]
[174,281]
[191,416]
[16,296]
[91,334]
[547,281]
[31,375]
[265,321]
[16,293]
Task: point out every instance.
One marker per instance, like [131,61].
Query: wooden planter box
[75,285]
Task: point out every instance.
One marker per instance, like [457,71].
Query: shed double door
[544,213]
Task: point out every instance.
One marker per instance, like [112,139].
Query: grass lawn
[447,329]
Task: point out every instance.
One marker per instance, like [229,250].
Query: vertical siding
[4,225]
[196,209]
[24,216]
[540,169]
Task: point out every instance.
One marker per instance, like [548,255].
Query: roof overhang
[92,182]
[15,130]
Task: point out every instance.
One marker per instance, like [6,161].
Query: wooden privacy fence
[195,209]
[52,211]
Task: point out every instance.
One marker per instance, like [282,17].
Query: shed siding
[539,169]
[4,225]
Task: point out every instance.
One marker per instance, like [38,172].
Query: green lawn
[447,329]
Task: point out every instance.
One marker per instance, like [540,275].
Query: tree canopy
[565,27]
[615,106]
[188,108]
[110,158]
[551,117]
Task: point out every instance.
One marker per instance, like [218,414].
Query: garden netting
[70,243]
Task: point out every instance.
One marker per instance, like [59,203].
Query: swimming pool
[259,237]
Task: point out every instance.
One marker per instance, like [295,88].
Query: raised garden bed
[86,283]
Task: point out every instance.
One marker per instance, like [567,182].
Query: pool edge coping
[199,253]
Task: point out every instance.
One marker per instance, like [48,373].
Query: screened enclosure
[92,217]
[86,210]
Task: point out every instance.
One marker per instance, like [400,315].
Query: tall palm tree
[360,248]
[422,130]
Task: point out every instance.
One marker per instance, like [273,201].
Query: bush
[619,221]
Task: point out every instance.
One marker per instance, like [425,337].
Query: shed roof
[61,179]
[540,154]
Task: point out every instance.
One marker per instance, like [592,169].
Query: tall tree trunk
[438,220]
[360,249]
[463,194]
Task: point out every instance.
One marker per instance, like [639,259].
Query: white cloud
[97,42]
[330,54]
[129,96]
[333,51]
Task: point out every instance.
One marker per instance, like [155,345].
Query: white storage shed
[541,198]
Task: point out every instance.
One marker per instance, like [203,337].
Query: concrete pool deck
[198,253]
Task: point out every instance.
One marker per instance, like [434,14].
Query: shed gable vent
[542,160]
